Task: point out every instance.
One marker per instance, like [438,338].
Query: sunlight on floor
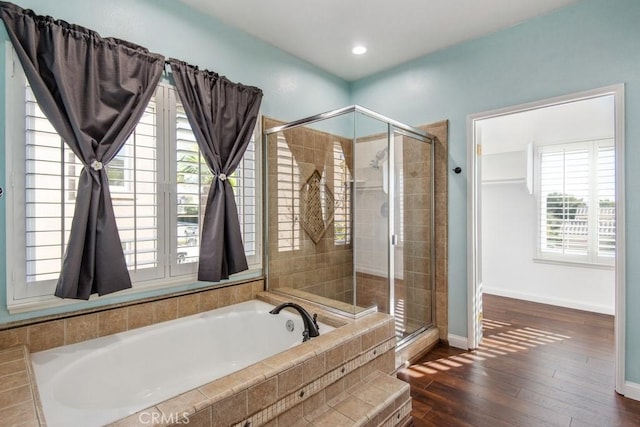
[498,343]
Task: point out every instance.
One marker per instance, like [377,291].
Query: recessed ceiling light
[359,50]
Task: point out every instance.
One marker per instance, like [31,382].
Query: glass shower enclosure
[349,206]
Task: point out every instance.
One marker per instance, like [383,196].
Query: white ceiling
[323,32]
[582,120]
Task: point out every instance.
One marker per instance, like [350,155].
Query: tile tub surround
[296,383]
[55,331]
[295,261]
[19,402]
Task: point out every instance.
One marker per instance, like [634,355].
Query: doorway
[548,177]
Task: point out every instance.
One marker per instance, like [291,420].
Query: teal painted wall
[589,45]
[292,88]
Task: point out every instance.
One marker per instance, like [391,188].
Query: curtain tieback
[222,177]
[96,165]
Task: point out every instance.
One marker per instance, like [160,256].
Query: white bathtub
[99,381]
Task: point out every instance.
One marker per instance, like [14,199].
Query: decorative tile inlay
[304,393]
[316,207]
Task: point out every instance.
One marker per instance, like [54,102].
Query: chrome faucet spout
[311,328]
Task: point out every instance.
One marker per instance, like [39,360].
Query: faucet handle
[305,335]
[315,322]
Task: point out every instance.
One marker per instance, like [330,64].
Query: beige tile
[332,418]
[271,423]
[383,412]
[314,403]
[372,395]
[80,328]
[335,357]
[403,399]
[200,419]
[290,380]
[368,339]
[335,389]
[252,375]
[140,315]
[354,408]
[224,296]
[229,410]
[14,380]
[262,395]
[302,422]
[368,368]
[21,414]
[43,336]
[280,361]
[290,417]
[186,402]
[220,388]
[15,396]
[142,418]
[188,305]
[13,337]
[166,309]
[313,368]
[387,382]
[208,300]
[352,348]
[241,293]
[352,378]
[112,321]
[9,355]
[12,367]
[256,287]
[385,362]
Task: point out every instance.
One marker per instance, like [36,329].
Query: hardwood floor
[538,366]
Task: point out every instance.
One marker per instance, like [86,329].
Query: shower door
[411,237]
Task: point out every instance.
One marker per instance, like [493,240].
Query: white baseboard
[457,341]
[632,390]
[551,301]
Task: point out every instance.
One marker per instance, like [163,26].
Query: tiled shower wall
[412,284]
[417,236]
[324,268]
[441,214]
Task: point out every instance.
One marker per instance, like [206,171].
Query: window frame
[23,296]
[591,259]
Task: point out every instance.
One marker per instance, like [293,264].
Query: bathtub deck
[378,400]
[300,384]
[19,401]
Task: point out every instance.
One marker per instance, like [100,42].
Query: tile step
[377,400]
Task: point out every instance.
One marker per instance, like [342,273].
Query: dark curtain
[222,115]
[94,91]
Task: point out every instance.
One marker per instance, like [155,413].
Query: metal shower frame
[393,127]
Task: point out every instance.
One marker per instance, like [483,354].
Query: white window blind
[576,202]
[288,197]
[193,180]
[342,196]
[150,200]
[52,172]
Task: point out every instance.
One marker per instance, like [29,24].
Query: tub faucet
[311,328]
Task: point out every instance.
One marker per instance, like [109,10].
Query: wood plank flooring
[538,365]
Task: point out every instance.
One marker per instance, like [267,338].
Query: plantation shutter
[577,201]
[564,201]
[606,200]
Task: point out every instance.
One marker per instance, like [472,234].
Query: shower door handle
[394,239]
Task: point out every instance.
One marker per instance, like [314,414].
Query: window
[158,209]
[577,202]
[288,194]
[342,196]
